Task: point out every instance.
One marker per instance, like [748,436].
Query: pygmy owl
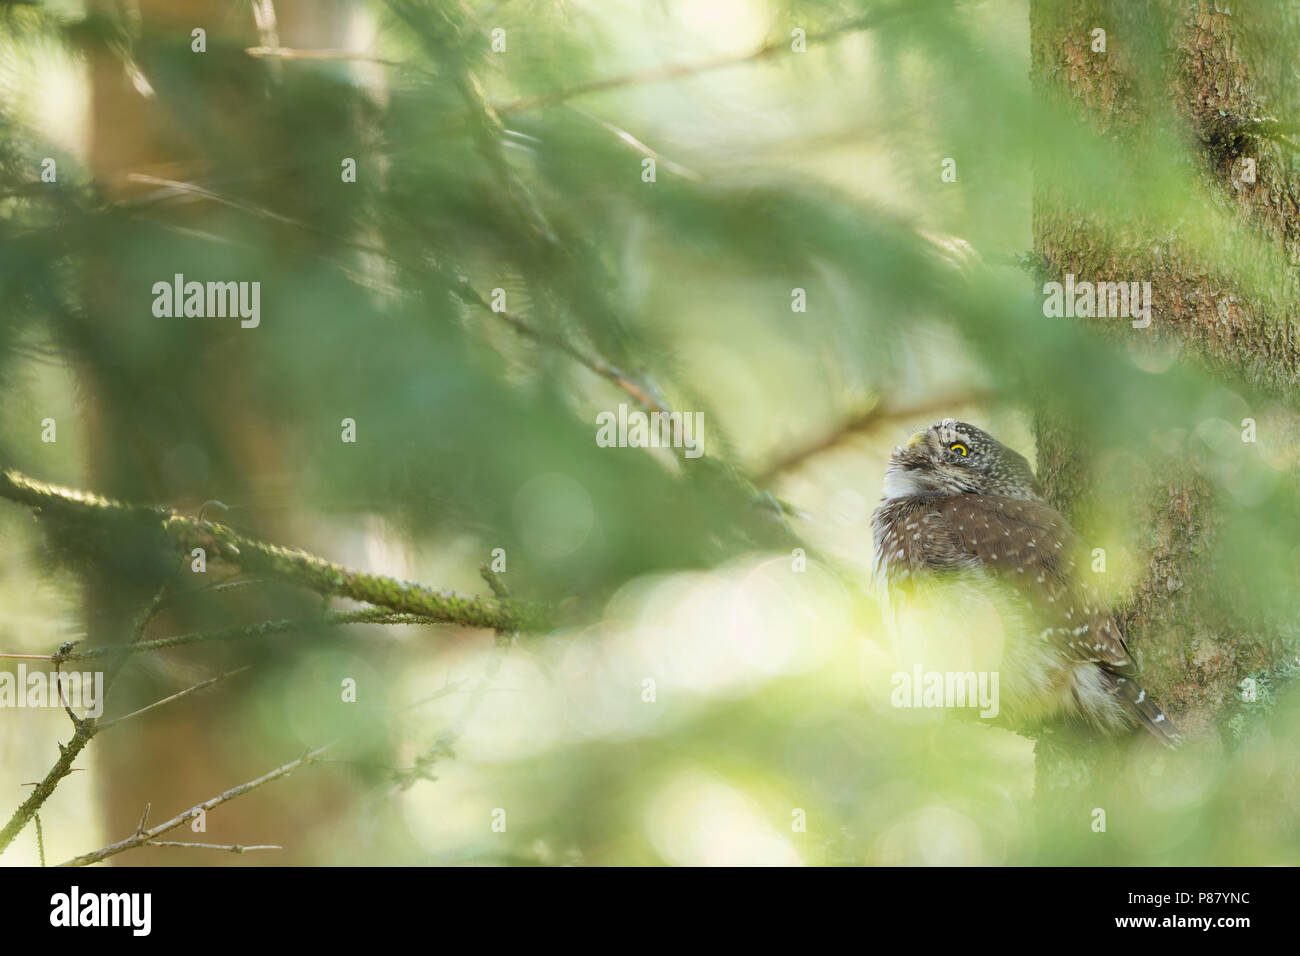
[963,522]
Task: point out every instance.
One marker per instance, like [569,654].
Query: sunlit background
[701,701]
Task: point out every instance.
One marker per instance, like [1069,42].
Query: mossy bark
[1188,79]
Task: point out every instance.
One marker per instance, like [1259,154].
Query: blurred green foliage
[816,170]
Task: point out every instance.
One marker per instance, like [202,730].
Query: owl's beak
[916,439]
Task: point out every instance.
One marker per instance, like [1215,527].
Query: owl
[963,527]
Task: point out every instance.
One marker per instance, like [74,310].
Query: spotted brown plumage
[963,523]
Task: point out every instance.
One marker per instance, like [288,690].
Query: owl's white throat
[901,482]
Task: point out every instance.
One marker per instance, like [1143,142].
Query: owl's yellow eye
[959,448]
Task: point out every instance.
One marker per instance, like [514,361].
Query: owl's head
[955,458]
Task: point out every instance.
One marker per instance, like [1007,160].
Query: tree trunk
[197,433]
[1167,69]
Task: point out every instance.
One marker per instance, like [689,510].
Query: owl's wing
[1031,547]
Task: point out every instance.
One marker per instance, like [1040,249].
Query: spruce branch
[63,766]
[181,534]
[84,729]
[399,601]
[645,394]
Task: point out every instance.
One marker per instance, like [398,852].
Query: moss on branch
[181,534]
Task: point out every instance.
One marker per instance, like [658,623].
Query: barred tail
[1145,712]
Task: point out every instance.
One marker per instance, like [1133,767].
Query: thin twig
[87,729]
[673,71]
[176,696]
[878,415]
[628,139]
[84,729]
[229,848]
[139,629]
[260,629]
[443,746]
[290,53]
[142,837]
